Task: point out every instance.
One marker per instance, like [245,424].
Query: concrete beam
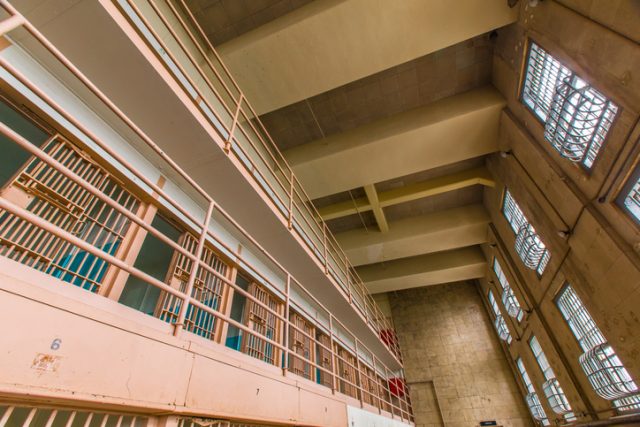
[427,188]
[424,270]
[447,131]
[324,45]
[374,202]
[435,232]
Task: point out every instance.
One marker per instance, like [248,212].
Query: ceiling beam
[327,44]
[419,190]
[372,196]
[444,132]
[434,232]
[424,270]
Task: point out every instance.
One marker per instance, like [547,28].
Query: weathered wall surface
[454,363]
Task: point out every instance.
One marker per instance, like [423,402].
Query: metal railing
[18,415]
[172,33]
[385,396]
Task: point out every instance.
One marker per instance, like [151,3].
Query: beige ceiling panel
[326,44]
[447,131]
[424,270]
[435,232]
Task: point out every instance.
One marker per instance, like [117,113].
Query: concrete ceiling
[385,111]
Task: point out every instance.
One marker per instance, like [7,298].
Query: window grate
[529,247]
[577,117]
[631,201]
[551,387]
[499,322]
[537,411]
[508,297]
[604,369]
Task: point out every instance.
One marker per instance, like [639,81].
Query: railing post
[324,239]
[291,188]
[234,124]
[287,330]
[334,361]
[355,340]
[375,373]
[179,325]
[11,23]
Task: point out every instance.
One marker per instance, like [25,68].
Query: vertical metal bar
[355,340]
[333,357]
[52,416]
[6,415]
[291,188]
[375,375]
[29,418]
[69,423]
[234,124]
[87,422]
[194,270]
[105,418]
[287,328]
[324,242]
[119,423]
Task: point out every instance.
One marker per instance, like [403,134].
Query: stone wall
[454,363]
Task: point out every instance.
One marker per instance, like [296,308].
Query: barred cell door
[263,323]
[47,193]
[301,345]
[207,288]
[383,392]
[324,359]
[369,395]
[347,370]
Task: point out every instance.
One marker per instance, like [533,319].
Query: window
[629,199]
[551,387]
[537,411]
[603,367]
[499,323]
[508,297]
[530,248]
[577,117]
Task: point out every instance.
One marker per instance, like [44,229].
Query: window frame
[584,169]
[547,252]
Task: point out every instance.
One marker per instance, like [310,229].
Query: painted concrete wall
[454,364]
[598,254]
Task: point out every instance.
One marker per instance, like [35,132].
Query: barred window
[499,322]
[508,297]
[577,117]
[630,197]
[551,387]
[530,248]
[604,369]
[537,411]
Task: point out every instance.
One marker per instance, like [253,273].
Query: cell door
[263,323]
[324,359]
[47,193]
[301,345]
[347,370]
[207,289]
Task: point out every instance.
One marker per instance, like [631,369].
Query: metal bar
[234,124]
[52,416]
[287,292]
[11,23]
[194,271]
[6,415]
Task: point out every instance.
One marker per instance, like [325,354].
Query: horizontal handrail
[282,176]
[199,226]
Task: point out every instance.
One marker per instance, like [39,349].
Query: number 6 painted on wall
[55,344]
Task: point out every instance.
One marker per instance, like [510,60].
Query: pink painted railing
[376,385]
[175,37]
